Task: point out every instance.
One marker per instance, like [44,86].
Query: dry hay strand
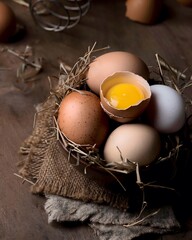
[74,79]
[22,2]
[87,156]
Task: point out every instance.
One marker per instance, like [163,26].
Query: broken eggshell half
[133,111]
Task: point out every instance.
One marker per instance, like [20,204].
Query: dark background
[22,214]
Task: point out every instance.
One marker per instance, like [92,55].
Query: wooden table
[22,214]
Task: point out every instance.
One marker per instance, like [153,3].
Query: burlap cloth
[46,164]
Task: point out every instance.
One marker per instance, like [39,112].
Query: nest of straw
[88,157]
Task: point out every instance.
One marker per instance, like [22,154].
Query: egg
[166,110]
[124,96]
[143,11]
[137,143]
[82,120]
[7,22]
[111,62]
[187,3]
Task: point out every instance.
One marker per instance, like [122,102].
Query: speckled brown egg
[82,120]
[144,11]
[7,22]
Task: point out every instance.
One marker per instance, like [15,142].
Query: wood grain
[21,214]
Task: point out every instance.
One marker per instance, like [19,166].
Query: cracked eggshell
[132,112]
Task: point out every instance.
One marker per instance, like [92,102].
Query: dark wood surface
[22,214]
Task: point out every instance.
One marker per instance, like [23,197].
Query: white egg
[166,110]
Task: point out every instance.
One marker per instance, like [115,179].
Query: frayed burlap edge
[35,146]
[36,150]
[46,163]
[62,178]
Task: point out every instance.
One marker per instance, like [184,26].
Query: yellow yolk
[124,95]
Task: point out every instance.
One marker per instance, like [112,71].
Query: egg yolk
[124,95]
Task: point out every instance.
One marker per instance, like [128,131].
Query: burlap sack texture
[46,164]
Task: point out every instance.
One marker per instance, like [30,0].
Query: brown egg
[111,62]
[7,22]
[82,120]
[187,3]
[143,11]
